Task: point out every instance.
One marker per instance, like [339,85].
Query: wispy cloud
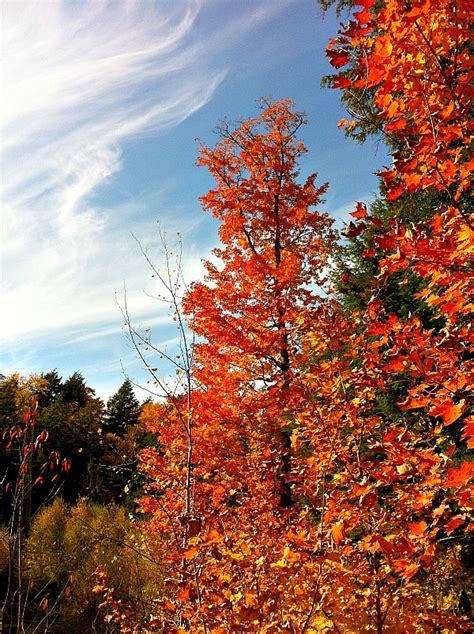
[79,79]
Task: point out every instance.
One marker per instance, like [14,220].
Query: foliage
[415,61]
[311,509]
[4,549]
[24,474]
[71,417]
[120,478]
[65,549]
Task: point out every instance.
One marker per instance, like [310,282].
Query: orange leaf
[191,553]
[338,533]
[448,411]
[414,402]
[184,594]
[360,212]
[417,528]
[454,523]
[459,476]
[398,124]
[363,17]
[407,569]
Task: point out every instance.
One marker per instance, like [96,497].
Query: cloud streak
[81,79]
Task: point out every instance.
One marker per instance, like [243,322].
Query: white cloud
[79,79]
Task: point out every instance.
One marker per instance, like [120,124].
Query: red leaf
[376,221]
[454,523]
[363,17]
[385,243]
[360,212]
[396,364]
[468,433]
[376,329]
[385,546]
[341,82]
[354,230]
[395,192]
[337,58]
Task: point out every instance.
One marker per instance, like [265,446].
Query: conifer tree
[123,409]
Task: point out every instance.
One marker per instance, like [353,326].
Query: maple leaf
[454,523]
[448,411]
[385,242]
[417,528]
[338,57]
[354,230]
[414,402]
[406,568]
[381,544]
[363,17]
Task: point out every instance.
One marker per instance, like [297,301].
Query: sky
[102,106]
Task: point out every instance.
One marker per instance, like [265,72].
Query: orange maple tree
[309,511]
[415,57]
[252,309]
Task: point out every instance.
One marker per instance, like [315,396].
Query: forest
[310,469]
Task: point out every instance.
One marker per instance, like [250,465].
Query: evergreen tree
[51,390]
[123,409]
[358,258]
[75,390]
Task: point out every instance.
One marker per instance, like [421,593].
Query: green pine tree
[123,409]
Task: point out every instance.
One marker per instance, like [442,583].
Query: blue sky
[102,103]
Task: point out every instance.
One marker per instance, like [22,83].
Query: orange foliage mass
[302,510]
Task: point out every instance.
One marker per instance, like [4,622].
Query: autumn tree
[73,417]
[28,469]
[266,287]
[413,60]
[271,272]
[431,73]
[68,546]
[314,510]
